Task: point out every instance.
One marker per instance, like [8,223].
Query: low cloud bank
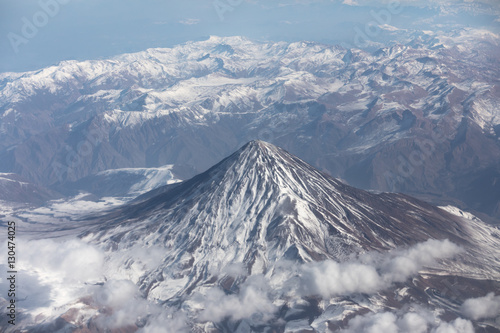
[64,271]
[368,274]
[373,271]
[482,307]
[422,321]
[52,274]
[252,299]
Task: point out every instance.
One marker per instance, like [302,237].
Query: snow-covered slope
[127,182]
[264,193]
[277,205]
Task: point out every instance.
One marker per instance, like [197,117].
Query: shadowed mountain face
[16,189]
[419,118]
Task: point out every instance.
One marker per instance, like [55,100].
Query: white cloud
[412,322]
[190,21]
[52,273]
[373,271]
[369,274]
[61,272]
[235,270]
[350,2]
[116,293]
[329,278]
[482,307]
[133,262]
[459,325]
[121,304]
[167,322]
[251,299]
[68,261]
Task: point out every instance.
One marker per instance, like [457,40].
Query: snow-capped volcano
[261,207]
[262,241]
[275,201]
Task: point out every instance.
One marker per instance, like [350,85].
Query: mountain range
[419,117]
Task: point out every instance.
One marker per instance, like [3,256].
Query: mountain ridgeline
[418,117]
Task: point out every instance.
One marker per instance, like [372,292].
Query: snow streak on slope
[126,182]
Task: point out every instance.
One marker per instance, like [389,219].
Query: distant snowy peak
[161,79]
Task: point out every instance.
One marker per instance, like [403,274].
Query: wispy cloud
[54,273]
[372,272]
[251,299]
[419,321]
[368,274]
[190,21]
[69,271]
[350,2]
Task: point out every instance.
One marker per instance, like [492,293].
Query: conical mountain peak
[258,207]
[258,144]
[258,147]
[265,157]
[264,197]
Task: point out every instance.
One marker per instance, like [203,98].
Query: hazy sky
[38,33]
